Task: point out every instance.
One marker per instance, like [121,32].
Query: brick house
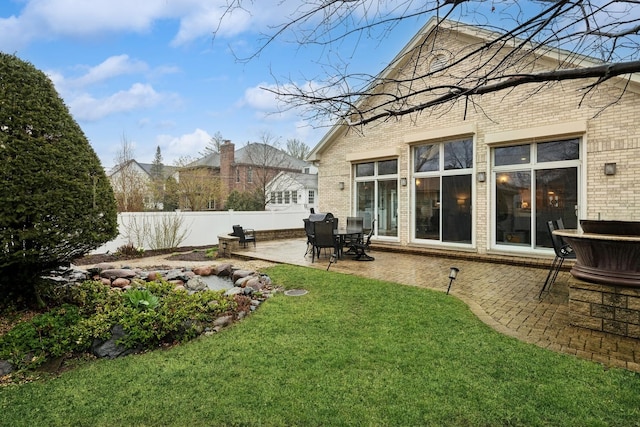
[486,178]
[249,168]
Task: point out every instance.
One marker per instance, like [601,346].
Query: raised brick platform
[613,309]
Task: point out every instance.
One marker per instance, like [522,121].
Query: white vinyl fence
[198,228]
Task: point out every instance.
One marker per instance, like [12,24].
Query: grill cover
[315,217]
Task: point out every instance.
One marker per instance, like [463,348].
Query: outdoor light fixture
[403,182]
[482,176]
[609,168]
[332,260]
[341,185]
[452,276]
[224,248]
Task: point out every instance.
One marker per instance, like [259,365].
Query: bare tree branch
[590,40]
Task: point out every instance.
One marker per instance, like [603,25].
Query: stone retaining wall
[612,309]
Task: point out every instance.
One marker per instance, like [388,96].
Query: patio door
[376,196]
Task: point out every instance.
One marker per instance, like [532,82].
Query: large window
[533,184]
[377,195]
[442,191]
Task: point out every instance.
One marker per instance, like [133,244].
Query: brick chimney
[227,159]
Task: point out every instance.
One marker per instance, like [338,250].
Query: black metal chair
[324,237]
[562,250]
[362,247]
[308,229]
[355,226]
[246,235]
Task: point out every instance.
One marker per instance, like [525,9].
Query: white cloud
[51,19]
[139,96]
[111,67]
[175,147]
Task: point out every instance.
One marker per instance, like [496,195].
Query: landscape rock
[223,270]
[196,284]
[120,282]
[118,272]
[5,367]
[203,271]
[239,274]
[109,348]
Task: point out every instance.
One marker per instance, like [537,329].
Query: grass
[353,351]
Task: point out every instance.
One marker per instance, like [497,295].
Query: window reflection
[515,155]
[426,158]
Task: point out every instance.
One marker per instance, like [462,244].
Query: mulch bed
[188,253]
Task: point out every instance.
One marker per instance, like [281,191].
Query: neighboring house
[131,185]
[293,191]
[249,168]
[486,178]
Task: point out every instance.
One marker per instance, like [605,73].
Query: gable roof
[416,42]
[167,171]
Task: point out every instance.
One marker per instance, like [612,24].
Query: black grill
[315,217]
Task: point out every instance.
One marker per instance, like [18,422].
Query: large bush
[55,200]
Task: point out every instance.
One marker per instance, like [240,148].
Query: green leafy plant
[141,299]
[211,252]
[51,334]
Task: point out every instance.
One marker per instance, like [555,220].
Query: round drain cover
[295,292]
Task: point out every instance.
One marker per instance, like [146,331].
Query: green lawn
[353,351]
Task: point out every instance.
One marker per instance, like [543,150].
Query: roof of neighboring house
[167,171]
[307,180]
[254,153]
[210,160]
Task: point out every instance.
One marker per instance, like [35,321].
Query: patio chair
[246,235]
[324,237]
[362,247]
[308,229]
[355,225]
[562,250]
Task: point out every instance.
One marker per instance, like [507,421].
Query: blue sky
[149,71]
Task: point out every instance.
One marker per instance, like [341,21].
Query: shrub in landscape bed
[56,202]
[152,316]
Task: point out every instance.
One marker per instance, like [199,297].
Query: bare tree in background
[297,149]
[198,187]
[214,145]
[128,183]
[592,41]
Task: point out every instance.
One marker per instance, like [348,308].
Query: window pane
[556,198]
[514,155]
[388,208]
[364,169]
[427,208]
[458,155]
[388,167]
[365,201]
[456,209]
[559,150]
[513,208]
[426,158]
